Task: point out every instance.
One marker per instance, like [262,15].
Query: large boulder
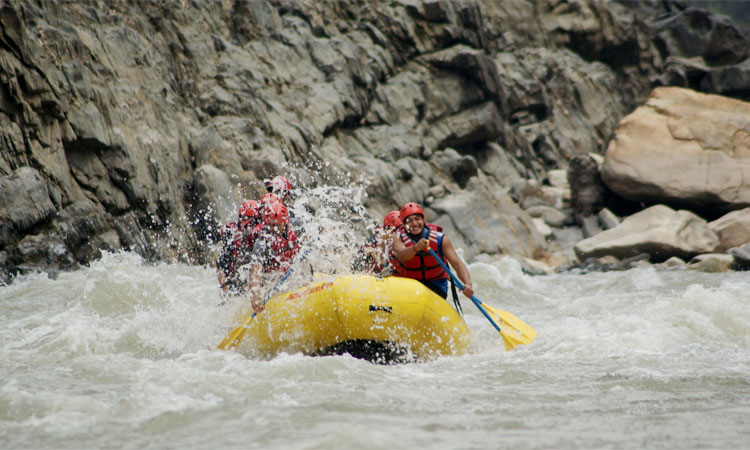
[733,229]
[683,148]
[659,231]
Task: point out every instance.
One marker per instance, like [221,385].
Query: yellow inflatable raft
[380,319]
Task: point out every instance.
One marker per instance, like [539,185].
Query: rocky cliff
[142,125]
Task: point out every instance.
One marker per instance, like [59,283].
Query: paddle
[234,338]
[517,332]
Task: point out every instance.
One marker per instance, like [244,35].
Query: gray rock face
[139,125]
[24,203]
[483,221]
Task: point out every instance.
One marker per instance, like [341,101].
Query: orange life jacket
[423,266]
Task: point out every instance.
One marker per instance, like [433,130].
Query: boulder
[590,226]
[673,263]
[567,237]
[608,219]
[683,148]
[558,178]
[460,167]
[541,227]
[733,229]
[659,231]
[694,32]
[494,161]
[711,262]
[528,194]
[534,267]
[551,216]
[586,190]
[741,257]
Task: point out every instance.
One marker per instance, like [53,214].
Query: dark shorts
[440,287]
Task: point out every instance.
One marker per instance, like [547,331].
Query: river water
[122,355]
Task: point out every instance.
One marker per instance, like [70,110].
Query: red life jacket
[239,234]
[423,266]
[248,236]
[283,248]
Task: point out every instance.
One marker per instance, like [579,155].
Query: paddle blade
[233,339]
[514,330]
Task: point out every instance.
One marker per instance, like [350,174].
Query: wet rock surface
[143,125]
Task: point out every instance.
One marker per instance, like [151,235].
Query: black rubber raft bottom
[378,352]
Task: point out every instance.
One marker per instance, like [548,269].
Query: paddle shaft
[234,338]
[474,299]
[281,280]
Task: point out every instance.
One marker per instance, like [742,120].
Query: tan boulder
[733,229]
[711,263]
[682,147]
[659,231]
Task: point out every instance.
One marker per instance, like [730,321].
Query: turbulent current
[122,354]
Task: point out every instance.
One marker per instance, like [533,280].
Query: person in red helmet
[411,247]
[249,214]
[281,187]
[268,199]
[392,220]
[237,242]
[274,248]
[376,256]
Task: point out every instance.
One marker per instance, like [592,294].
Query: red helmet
[275,213]
[278,184]
[269,198]
[392,219]
[409,209]
[250,209]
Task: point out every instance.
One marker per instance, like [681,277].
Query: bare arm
[461,271]
[404,253]
[254,278]
[222,279]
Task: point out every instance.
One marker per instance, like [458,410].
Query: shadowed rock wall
[142,125]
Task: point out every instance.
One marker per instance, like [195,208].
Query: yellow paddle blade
[514,330]
[233,339]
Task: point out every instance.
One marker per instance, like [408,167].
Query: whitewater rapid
[122,354]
